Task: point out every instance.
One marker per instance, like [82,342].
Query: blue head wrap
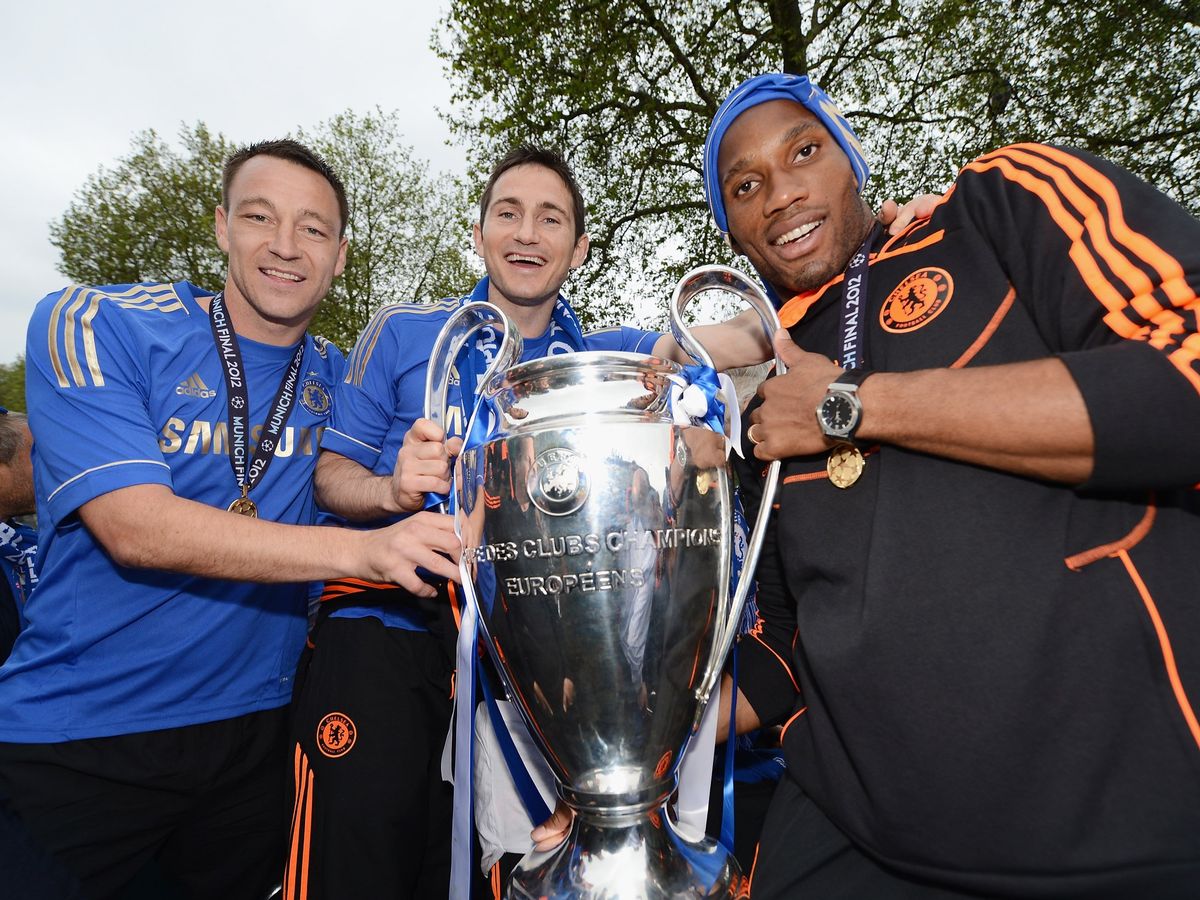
[760,89]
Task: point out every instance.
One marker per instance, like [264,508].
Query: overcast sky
[80,79]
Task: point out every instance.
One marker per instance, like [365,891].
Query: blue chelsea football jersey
[125,387]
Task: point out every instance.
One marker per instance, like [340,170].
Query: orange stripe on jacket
[788,724]
[1164,643]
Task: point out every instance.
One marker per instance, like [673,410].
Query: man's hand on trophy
[897,217]
[425,540]
[423,465]
[785,424]
[554,830]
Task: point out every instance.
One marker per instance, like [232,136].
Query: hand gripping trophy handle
[464,324]
[731,281]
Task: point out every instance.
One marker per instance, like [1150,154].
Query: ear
[222,226]
[477,234]
[579,254]
[341,260]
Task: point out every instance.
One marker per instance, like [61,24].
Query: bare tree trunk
[788,26]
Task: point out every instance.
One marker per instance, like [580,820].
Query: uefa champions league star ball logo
[558,482]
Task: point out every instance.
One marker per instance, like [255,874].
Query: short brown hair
[291,151]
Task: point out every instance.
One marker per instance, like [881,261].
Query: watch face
[838,414]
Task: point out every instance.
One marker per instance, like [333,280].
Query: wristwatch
[840,411]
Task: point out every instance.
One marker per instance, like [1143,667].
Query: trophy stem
[632,856]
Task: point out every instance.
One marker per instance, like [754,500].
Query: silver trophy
[597,537]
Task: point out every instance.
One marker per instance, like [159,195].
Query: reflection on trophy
[597,540]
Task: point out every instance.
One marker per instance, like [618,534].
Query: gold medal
[243,505]
[845,465]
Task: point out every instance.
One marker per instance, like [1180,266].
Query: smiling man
[982,571]
[175,444]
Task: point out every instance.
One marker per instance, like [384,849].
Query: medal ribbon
[238,403]
[853,347]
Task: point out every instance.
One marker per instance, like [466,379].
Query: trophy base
[644,859]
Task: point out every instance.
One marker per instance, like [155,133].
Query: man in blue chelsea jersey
[176,437]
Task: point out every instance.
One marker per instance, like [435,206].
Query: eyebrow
[545,204]
[743,163]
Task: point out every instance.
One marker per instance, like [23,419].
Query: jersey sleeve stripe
[89,339]
[1053,184]
[365,346]
[1083,259]
[72,315]
[1173,281]
[122,462]
[72,324]
[67,297]
[354,440]
[1106,227]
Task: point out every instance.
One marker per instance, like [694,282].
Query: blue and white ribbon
[700,396]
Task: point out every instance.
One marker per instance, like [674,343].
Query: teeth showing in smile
[286,276]
[517,257]
[796,233]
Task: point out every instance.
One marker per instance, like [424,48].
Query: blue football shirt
[125,387]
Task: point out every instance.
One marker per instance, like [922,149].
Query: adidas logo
[194,387]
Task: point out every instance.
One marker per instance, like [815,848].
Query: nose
[784,189]
[527,232]
[283,242]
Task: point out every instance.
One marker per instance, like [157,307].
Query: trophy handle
[723,278]
[460,328]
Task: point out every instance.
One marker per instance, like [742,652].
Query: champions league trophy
[597,540]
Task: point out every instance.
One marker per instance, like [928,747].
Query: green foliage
[149,217]
[409,234]
[12,385]
[626,88]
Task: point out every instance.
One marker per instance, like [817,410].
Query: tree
[12,384]
[149,217]
[409,234]
[626,88]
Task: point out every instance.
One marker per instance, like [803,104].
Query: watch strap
[851,379]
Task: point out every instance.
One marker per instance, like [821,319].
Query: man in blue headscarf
[977,596]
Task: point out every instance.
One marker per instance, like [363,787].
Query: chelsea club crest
[314,397]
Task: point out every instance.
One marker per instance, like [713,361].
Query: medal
[248,472]
[244,506]
[845,465]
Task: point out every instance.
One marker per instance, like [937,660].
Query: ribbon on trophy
[698,397]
